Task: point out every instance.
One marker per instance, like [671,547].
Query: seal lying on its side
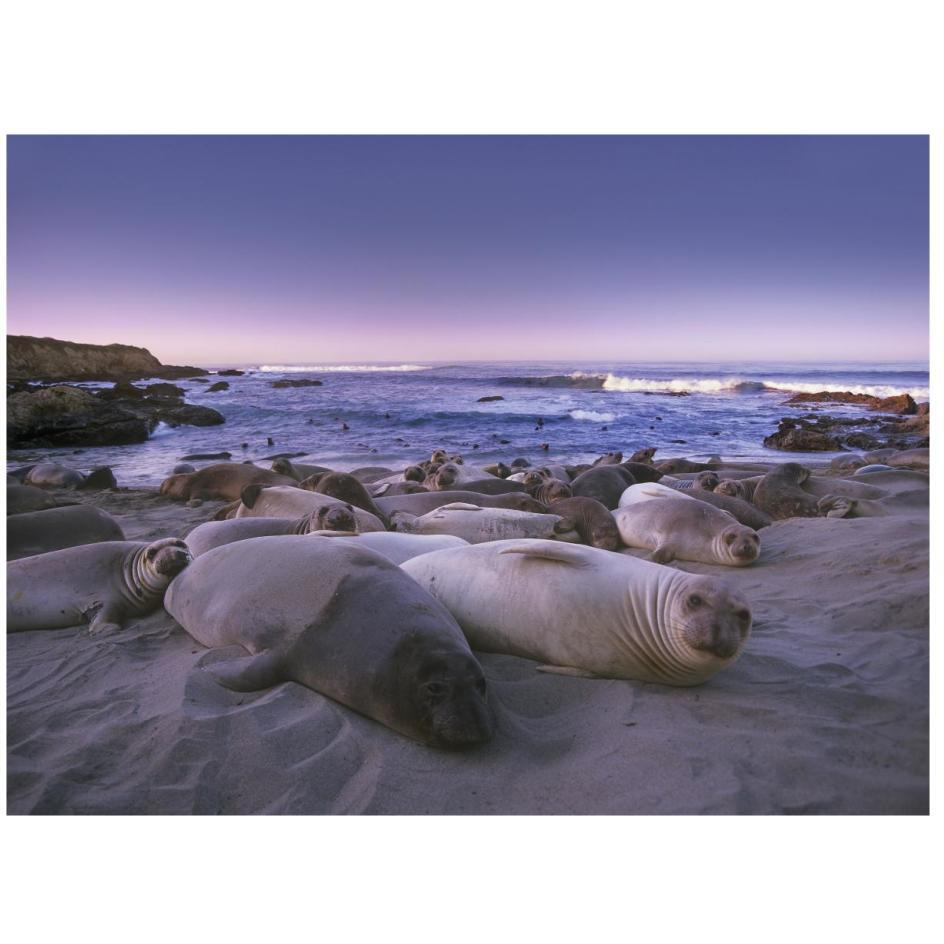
[105,584]
[293,502]
[225,481]
[336,518]
[53,529]
[342,620]
[687,530]
[476,524]
[584,611]
[430,501]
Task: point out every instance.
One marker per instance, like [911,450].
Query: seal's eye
[695,600]
[743,615]
[436,689]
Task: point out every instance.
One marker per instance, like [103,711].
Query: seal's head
[438,456]
[706,481]
[176,486]
[792,471]
[519,501]
[442,696]
[552,490]
[284,467]
[414,473]
[167,557]
[707,619]
[729,487]
[534,478]
[333,518]
[738,545]
[446,476]
[643,455]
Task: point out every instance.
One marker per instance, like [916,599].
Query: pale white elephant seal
[339,519]
[54,475]
[288,501]
[585,611]
[104,584]
[647,491]
[397,546]
[476,525]
[451,475]
[342,620]
[687,530]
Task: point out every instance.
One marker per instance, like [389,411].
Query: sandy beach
[826,711]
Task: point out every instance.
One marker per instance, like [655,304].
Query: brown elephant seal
[551,490]
[280,501]
[738,488]
[492,486]
[342,620]
[532,478]
[593,521]
[498,469]
[701,481]
[642,472]
[335,518]
[53,475]
[104,584]
[605,483]
[224,480]
[610,458]
[450,475]
[396,488]
[429,501]
[687,530]
[643,456]
[25,498]
[671,466]
[38,532]
[370,473]
[296,470]
[345,487]
[743,511]
[910,458]
[636,620]
[780,495]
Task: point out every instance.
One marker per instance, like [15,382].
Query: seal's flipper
[250,494]
[662,554]
[566,670]
[562,553]
[250,674]
[381,489]
[836,506]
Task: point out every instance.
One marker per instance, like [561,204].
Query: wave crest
[592,416]
[716,385]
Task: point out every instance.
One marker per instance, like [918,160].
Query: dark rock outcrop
[489,399]
[297,383]
[50,359]
[902,404]
[232,372]
[219,385]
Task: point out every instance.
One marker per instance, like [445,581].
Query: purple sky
[312,249]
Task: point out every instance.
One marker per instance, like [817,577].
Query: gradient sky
[221,249]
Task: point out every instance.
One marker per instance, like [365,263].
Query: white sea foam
[339,368]
[875,390]
[639,385]
[593,416]
[162,429]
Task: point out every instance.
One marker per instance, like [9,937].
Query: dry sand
[825,712]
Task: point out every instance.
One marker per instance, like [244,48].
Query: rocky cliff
[53,360]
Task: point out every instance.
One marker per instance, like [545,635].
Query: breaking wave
[593,416]
[339,368]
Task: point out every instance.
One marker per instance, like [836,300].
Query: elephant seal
[610,458]
[38,532]
[342,620]
[642,472]
[430,501]
[743,511]
[643,456]
[476,525]
[780,495]
[450,475]
[671,466]
[398,546]
[702,481]
[224,480]
[296,470]
[280,501]
[53,475]
[336,518]
[182,468]
[738,488]
[499,469]
[369,473]
[550,491]
[687,530]
[395,488]
[344,487]
[873,467]
[821,486]
[846,463]
[106,584]
[910,458]
[605,483]
[492,486]
[593,521]
[583,611]
[25,498]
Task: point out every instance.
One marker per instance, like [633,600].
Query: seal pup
[551,490]
[476,524]
[583,611]
[780,495]
[345,487]
[593,521]
[342,620]
[420,504]
[605,483]
[687,530]
[52,529]
[282,501]
[224,480]
[339,519]
[104,584]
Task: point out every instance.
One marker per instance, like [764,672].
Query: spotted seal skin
[637,620]
[342,620]
[687,530]
[105,584]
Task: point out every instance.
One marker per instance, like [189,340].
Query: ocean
[399,413]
